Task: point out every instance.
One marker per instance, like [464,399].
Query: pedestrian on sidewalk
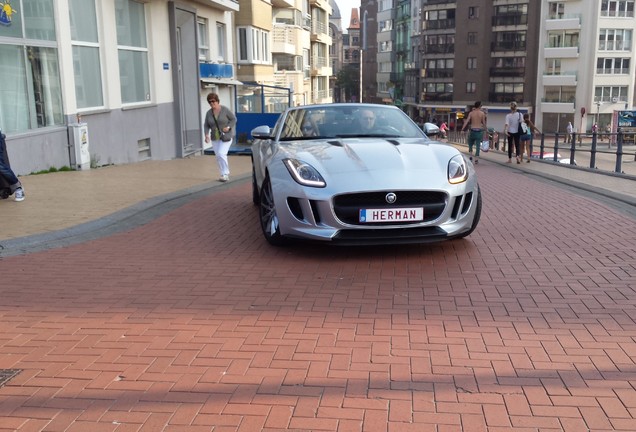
[512,129]
[476,120]
[7,174]
[570,131]
[526,139]
[219,128]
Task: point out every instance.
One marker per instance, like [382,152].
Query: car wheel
[268,215]
[255,195]
[477,217]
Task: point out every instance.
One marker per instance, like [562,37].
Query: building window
[202,36]
[556,94]
[553,67]
[130,18]
[85,46]
[617,8]
[253,45]
[220,41]
[563,39]
[472,38]
[615,40]
[473,12]
[471,63]
[471,87]
[556,10]
[612,94]
[30,88]
[612,66]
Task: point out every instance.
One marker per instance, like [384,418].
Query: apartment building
[485,50]
[586,64]
[336,50]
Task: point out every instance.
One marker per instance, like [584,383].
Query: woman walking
[219,128]
[512,129]
[526,139]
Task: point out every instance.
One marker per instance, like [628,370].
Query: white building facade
[135,73]
[586,69]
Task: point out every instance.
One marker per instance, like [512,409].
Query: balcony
[563,22]
[321,4]
[558,80]
[321,96]
[507,71]
[439,49]
[505,98]
[510,20]
[320,66]
[320,32]
[508,46]
[294,80]
[438,73]
[561,52]
[439,24]
[286,39]
[552,106]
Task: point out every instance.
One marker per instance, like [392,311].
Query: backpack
[524,126]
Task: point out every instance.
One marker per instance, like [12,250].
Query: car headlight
[304,173]
[457,172]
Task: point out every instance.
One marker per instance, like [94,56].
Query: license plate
[392,215]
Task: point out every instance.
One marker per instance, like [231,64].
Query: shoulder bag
[224,136]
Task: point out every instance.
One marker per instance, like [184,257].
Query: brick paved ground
[193,323]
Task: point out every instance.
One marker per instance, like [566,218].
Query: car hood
[359,163]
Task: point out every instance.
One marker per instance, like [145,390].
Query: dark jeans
[513,137]
[5,170]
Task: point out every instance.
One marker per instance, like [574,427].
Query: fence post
[542,148]
[572,151]
[619,152]
[556,146]
[593,152]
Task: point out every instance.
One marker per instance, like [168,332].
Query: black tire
[255,195]
[477,217]
[268,216]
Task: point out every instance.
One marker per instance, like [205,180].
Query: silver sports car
[359,174]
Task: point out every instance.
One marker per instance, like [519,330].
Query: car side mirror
[262,132]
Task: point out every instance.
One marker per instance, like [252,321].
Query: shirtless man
[476,120]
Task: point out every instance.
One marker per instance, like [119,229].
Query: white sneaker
[18,195]
[224,178]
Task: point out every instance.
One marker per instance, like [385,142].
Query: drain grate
[7,375]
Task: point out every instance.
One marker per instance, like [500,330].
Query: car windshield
[347,121]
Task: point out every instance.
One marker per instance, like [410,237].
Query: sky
[345,11]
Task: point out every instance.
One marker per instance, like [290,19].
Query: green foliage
[52,170]
[348,79]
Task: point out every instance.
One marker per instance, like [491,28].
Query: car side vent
[467,201]
[456,204]
[295,208]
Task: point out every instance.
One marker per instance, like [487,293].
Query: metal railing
[606,152]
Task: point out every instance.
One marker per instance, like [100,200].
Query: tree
[348,81]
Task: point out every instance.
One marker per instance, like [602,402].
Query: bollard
[572,151]
[619,152]
[593,152]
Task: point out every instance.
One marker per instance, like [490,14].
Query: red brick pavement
[193,323]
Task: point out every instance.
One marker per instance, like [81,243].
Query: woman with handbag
[219,128]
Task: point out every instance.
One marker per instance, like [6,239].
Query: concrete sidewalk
[65,205]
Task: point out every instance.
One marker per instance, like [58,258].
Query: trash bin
[80,155]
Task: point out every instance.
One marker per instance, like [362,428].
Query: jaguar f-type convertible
[359,174]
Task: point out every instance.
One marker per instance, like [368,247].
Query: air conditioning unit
[614,99]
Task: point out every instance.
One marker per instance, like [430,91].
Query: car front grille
[347,207]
